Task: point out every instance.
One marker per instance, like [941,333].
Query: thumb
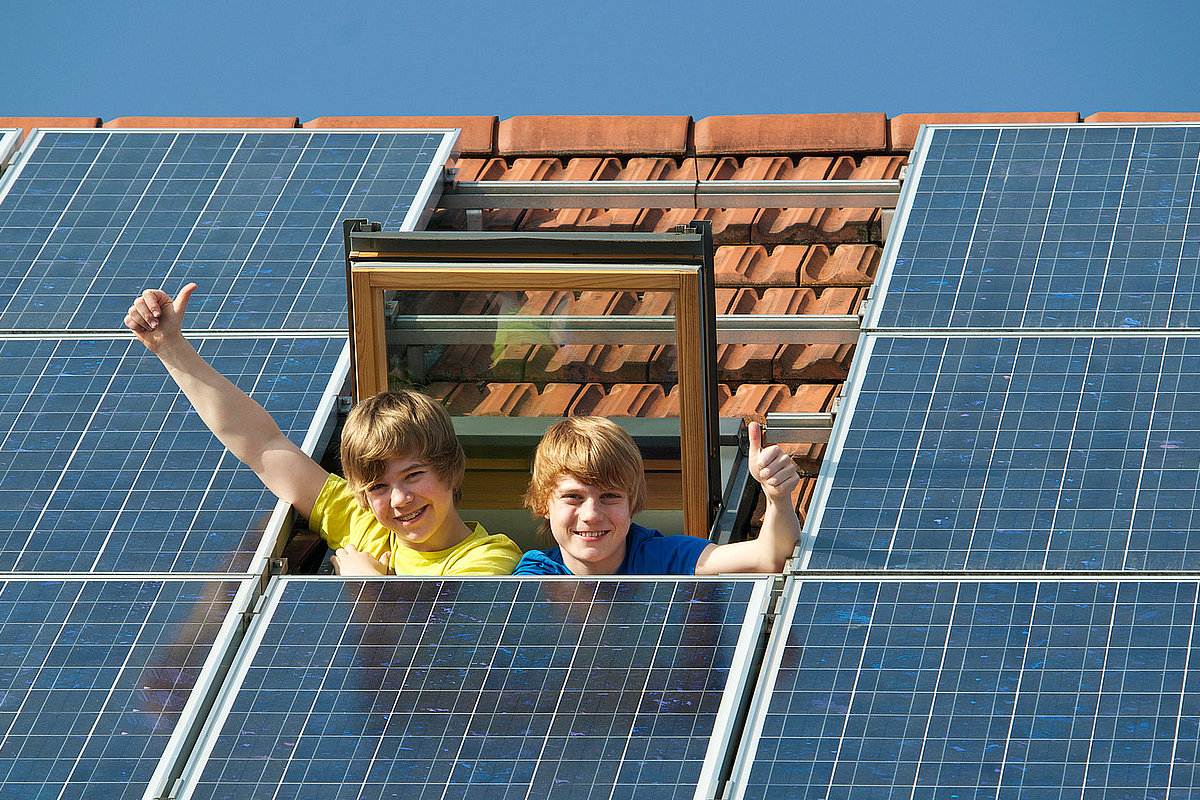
[181,299]
[755,432]
[386,561]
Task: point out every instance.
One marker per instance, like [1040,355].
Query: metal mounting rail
[670,194]
[613,330]
[812,428]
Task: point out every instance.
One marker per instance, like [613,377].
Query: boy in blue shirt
[588,481]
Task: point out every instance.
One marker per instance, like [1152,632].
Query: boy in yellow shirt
[396,510]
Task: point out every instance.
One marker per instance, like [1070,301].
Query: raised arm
[776,541]
[241,424]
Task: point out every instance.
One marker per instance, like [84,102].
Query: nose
[590,510]
[400,497]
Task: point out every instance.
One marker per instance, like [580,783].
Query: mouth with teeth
[407,518]
[591,536]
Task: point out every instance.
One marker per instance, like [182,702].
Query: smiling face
[410,499]
[589,524]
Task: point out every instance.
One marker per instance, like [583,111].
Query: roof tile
[203,122]
[633,400]
[902,129]
[1144,116]
[791,133]
[478,137]
[507,400]
[599,135]
[847,265]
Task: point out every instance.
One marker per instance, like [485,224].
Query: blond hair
[592,450]
[400,424]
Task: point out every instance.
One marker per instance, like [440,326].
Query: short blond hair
[592,450]
[400,424]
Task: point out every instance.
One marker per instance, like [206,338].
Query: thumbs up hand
[771,467]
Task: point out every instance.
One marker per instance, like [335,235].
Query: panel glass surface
[965,690]
[104,466]
[1069,227]
[254,217]
[501,688]
[1018,453]
[94,676]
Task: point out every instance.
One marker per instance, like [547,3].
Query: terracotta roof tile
[791,133]
[507,400]
[585,135]
[478,137]
[846,265]
[567,399]
[902,129]
[460,399]
[1143,116]
[813,363]
[634,400]
[203,122]
[736,301]
[29,123]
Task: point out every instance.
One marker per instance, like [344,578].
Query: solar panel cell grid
[994,689]
[1018,453]
[105,467]
[94,677]
[482,689]
[1050,228]
[255,218]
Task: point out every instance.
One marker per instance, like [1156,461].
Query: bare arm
[241,424]
[769,552]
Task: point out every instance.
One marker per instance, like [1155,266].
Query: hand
[771,467]
[349,560]
[156,318]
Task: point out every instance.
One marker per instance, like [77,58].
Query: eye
[612,497]
[375,488]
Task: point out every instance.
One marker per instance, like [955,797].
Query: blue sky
[310,59]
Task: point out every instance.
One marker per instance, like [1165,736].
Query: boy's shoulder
[650,552]
[482,553]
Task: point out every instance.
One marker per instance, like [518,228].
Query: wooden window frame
[369,281]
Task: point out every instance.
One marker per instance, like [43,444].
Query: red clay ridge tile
[1143,116]
[478,137]
[203,122]
[27,124]
[902,129]
[603,135]
[791,133]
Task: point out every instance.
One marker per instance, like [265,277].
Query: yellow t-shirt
[342,520]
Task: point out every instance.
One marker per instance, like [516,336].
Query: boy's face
[589,524]
[410,499]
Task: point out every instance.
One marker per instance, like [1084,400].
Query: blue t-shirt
[647,552]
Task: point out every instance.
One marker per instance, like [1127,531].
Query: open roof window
[513,331]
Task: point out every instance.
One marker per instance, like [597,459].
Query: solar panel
[99,678]
[1035,452]
[1081,226]
[930,689]
[484,688]
[9,139]
[104,466]
[254,217]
